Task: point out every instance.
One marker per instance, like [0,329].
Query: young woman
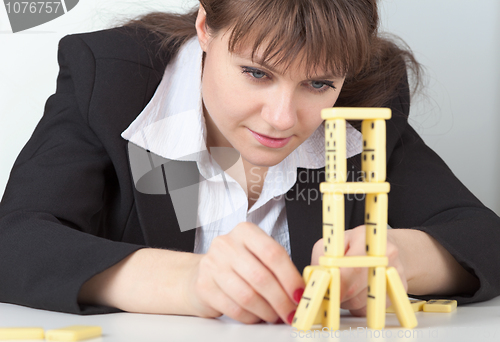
[85,228]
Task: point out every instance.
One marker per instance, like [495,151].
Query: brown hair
[340,36]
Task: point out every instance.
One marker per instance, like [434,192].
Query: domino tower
[320,303]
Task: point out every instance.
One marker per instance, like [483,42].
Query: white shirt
[172,126]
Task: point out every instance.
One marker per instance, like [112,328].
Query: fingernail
[279,321]
[297,295]
[290,317]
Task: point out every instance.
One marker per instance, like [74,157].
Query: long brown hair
[339,36]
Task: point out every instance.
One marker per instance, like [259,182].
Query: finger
[223,303]
[285,291]
[354,280]
[361,312]
[353,235]
[275,258]
[395,261]
[275,301]
[357,302]
[245,296]
[317,251]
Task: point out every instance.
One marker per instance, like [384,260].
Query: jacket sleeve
[50,212]
[426,195]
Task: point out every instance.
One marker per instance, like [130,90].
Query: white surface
[457,40]
[475,322]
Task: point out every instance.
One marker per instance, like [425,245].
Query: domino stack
[320,303]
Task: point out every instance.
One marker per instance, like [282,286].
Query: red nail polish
[290,317]
[279,321]
[297,295]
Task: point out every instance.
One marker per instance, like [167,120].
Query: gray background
[458,41]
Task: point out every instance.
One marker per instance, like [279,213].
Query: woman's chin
[263,160]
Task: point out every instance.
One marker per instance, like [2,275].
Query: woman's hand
[354,281]
[247,276]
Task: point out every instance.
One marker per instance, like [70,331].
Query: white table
[474,322]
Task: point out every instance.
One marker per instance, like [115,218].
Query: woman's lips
[270,142]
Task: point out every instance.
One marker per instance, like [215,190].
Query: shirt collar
[172,124]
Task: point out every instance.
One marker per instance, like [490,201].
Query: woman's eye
[317,84]
[321,86]
[257,73]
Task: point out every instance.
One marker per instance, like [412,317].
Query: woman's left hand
[354,281]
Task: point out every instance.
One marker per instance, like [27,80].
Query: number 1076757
[33,7]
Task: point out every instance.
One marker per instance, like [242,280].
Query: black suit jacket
[70,209]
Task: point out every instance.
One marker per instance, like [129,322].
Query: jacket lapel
[166,196]
[304,215]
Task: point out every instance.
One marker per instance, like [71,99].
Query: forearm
[147,281]
[429,267]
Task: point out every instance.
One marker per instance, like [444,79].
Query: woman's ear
[202,29]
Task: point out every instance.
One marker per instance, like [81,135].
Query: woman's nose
[279,110]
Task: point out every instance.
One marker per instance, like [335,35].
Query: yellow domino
[373,156]
[333,224]
[73,333]
[440,305]
[31,333]
[376,224]
[358,113]
[322,311]
[311,300]
[331,316]
[353,261]
[375,303]
[354,188]
[329,311]
[399,299]
[416,305]
[335,146]
[308,270]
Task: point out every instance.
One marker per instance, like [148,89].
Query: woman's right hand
[245,275]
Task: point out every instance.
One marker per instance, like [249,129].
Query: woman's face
[262,112]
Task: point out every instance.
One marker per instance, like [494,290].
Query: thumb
[317,251]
